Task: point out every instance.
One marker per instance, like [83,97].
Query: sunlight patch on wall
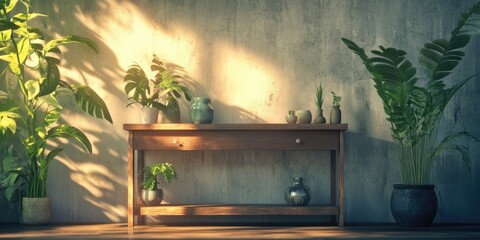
[249,81]
[114,213]
[99,183]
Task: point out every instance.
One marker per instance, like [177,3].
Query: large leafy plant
[29,106]
[154,92]
[414,111]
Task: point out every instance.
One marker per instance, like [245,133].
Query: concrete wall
[257,60]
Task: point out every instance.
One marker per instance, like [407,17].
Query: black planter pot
[413,205]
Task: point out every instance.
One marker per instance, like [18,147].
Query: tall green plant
[414,111]
[319,97]
[29,101]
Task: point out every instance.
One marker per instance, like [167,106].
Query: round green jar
[202,111]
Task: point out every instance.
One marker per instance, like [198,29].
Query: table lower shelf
[236,210]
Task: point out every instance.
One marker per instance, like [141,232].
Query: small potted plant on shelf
[319,102]
[336,113]
[158,94]
[414,111]
[151,195]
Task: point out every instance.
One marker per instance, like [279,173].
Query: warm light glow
[245,86]
[249,82]
[100,183]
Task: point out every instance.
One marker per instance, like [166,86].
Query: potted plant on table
[336,113]
[30,105]
[319,102]
[414,113]
[151,195]
[160,93]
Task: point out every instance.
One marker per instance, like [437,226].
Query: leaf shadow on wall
[84,187]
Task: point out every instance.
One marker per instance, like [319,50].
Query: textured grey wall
[256,60]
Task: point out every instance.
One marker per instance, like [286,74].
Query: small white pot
[149,115]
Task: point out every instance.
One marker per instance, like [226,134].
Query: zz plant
[414,111]
[29,106]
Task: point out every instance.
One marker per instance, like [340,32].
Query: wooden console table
[190,137]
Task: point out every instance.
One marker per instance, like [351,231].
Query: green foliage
[319,97]
[30,104]
[151,93]
[414,111]
[151,174]
[11,170]
[336,99]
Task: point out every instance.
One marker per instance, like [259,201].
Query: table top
[233,127]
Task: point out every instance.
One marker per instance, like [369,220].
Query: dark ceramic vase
[152,197]
[172,112]
[320,119]
[298,194]
[413,205]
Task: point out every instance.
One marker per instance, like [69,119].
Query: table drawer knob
[298,140]
[176,142]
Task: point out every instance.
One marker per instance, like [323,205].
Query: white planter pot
[149,115]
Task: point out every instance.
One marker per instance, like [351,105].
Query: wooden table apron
[193,137]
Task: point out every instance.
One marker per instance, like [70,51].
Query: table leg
[341,217]
[140,165]
[130,180]
[333,181]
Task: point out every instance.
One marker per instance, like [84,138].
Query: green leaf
[51,45]
[137,85]
[7,122]
[7,25]
[52,101]
[441,56]
[10,188]
[52,154]
[8,114]
[24,17]
[33,89]
[67,131]
[23,47]
[51,117]
[90,102]
[11,59]
[31,144]
[51,78]
[10,4]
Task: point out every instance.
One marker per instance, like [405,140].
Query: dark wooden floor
[121,231]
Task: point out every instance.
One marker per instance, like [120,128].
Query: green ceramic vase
[336,115]
[202,111]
